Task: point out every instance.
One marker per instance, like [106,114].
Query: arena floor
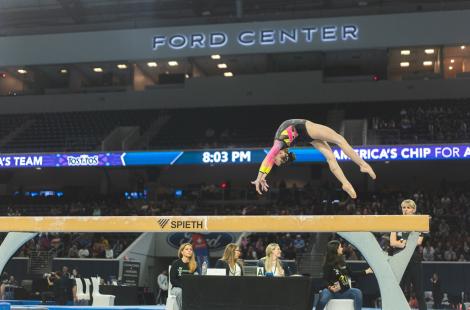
[159,307]
[51,307]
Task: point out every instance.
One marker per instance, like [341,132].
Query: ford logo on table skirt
[215,241]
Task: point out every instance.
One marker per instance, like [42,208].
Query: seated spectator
[73,251]
[428,252]
[185,264]
[450,255]
[83,253]
[337,278]
[12,281]
[109,252]
[272,263]
[299,244]
[230,261]
[251,253]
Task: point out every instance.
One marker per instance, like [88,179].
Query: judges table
[247,293]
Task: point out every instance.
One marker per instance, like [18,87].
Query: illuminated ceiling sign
[257,37]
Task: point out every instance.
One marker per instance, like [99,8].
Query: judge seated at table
[272,263]
[231,261]
[185,264]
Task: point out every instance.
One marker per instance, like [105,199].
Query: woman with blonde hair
[185,264]
[272,263]
[231,261]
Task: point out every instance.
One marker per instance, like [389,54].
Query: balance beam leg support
[387,269]
[12,243]
[400,261]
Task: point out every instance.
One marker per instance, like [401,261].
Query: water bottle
[204,268]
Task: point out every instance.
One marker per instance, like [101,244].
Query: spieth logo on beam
[181,224]
[163,222]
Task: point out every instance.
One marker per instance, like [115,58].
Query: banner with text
[230,156]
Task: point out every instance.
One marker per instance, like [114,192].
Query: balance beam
[354,228]
[289,223]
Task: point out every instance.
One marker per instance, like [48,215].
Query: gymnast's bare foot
[366,168]
[348,188]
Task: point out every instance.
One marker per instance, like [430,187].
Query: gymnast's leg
[324,133]
[325,149]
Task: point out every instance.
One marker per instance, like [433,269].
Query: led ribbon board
[229,156]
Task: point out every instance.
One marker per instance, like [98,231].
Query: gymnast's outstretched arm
[266,166]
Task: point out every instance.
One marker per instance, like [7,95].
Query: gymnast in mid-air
[300,130]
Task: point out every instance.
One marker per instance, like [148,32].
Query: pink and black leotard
[290,132]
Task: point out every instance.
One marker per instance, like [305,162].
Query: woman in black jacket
[337,277]
[231,261]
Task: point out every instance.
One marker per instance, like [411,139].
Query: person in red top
[293,131]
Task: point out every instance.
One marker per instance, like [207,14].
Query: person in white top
[428,252]
[162,281]
[109,252]
[83,253]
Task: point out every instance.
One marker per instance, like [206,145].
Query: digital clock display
[217,157]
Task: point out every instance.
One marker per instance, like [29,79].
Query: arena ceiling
[49,16]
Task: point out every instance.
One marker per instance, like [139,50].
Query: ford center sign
[308,34]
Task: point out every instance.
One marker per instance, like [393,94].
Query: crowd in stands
[254,245]
[77,245]
[440,122]
[229,127]
[210,128]
[424,123]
